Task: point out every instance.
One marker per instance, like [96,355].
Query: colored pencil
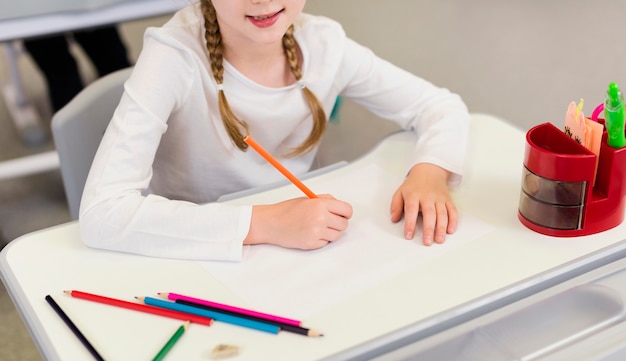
[283,326]
[140,307]
[273,161]
[217,316]
[222,307]
[73,327]
[170,343]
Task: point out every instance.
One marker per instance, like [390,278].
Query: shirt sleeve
[439,117]
[117,211]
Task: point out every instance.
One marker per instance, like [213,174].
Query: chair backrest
[77,130]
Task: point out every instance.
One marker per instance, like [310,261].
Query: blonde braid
[233,125]
[319,116]
[213,37]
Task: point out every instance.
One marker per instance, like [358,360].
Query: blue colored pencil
[217,316]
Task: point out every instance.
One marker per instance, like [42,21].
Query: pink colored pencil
[243,311]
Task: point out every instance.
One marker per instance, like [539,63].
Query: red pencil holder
[559,196]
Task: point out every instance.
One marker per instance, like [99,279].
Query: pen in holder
[559,196]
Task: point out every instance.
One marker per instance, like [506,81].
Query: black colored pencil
[283,326]
[73,327]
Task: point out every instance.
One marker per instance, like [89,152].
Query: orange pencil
[273,161]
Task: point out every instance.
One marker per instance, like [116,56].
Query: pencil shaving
[223,351]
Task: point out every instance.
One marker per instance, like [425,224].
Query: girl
[222,69]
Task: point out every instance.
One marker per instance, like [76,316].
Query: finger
[441,222]
[397,207]
[411,212]
[453,218]
[429,219]
[325,196]
[316,244]
[341,209]
[331,235]
[338,223]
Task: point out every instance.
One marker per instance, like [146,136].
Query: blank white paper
[294,283]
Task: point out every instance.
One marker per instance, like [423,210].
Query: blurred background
[521,60]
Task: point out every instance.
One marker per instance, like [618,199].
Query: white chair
[78,127]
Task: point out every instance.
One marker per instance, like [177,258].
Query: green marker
[614,116]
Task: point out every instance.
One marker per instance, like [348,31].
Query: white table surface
[506,261]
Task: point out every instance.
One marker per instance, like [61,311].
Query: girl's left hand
[425,190]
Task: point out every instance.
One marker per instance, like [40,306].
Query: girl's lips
[264,21]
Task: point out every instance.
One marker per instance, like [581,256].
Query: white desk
[508,263]
[22,26]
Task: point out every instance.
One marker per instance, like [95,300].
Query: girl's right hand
[302,223]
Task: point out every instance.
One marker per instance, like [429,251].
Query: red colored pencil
[140,307]
[273,161]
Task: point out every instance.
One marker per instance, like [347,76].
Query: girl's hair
[237,129]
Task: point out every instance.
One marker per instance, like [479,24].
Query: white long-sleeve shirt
[166,157]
